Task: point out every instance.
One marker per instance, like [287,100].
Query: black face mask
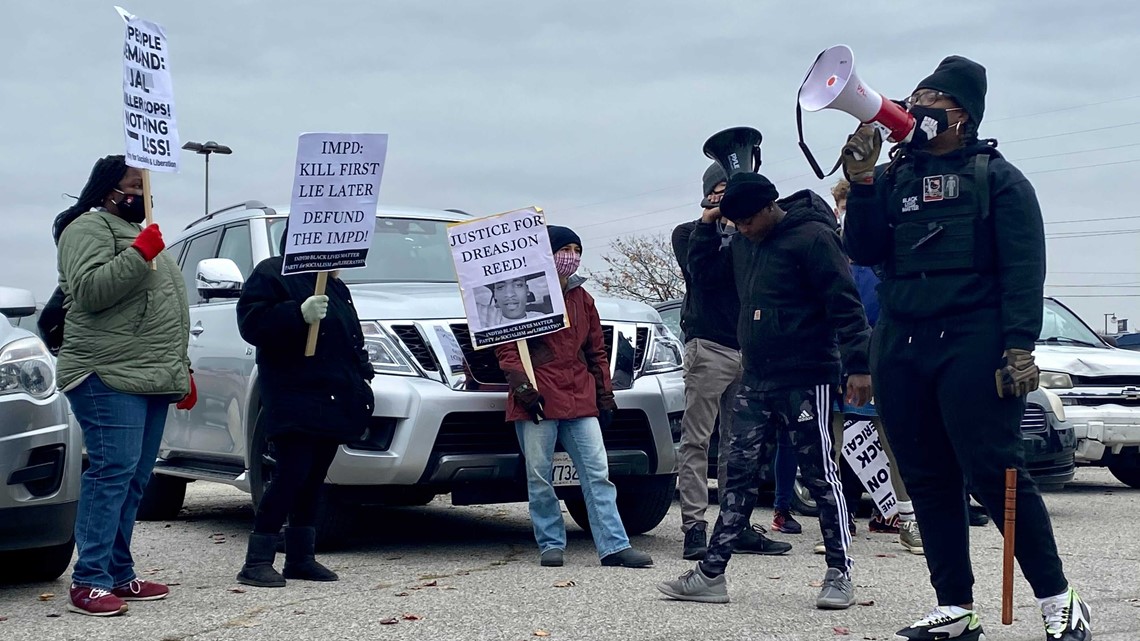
[131,208]
[929,123]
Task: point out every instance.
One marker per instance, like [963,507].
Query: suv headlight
[26,368]
[1056,380]
[384,353]
[664,353]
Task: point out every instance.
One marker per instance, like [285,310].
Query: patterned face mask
[567,262]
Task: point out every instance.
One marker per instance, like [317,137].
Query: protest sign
[332,212]
[148,98]
[510,288]
[863,449]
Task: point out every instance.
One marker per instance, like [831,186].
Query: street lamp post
[1106,318]
[205,149]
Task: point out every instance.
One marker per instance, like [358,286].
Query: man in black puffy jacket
[799,313]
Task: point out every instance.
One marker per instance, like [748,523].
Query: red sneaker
[139,590]
[95,602]
[884,526]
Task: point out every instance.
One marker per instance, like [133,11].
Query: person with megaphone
[959,235]
[800,312]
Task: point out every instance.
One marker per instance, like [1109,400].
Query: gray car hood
[8,333]
[1087,361]
[441,301]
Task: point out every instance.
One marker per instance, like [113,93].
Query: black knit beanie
[561,237]
[964,80]
[747,193]
[714,175]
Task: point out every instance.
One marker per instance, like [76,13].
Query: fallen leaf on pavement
[431,584]
[389,621]
[173,585]
[816,584]
[888,555]
[565,584]
[541,633]
[298,611]
[54,615]
[47,596]
[774,578]
[448,587]
[153,570]
[867,603]
[840,631]
[382,586]
[402,594]
[237,590]
[2,619]
[408,616]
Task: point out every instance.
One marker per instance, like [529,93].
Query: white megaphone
[832,83]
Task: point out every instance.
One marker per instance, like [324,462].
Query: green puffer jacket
[125,322]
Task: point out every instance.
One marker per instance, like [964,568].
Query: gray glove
[314,308]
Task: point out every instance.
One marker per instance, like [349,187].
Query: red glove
[149,242]
[191,399]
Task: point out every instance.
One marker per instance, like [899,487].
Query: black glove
[526,395]
[861,153]
[1019,376]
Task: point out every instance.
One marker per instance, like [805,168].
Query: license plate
[564,472]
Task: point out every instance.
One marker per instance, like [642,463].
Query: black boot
[300,564]
[258,569]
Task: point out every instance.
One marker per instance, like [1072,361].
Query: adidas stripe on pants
[757,419]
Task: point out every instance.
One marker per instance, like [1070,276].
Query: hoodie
[801,322]
[1015,288]
[708,312]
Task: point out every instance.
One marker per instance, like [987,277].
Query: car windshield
[403,250]
[1062,327]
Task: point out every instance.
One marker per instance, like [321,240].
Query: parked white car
[438,427]
[1099,386]
[40,453]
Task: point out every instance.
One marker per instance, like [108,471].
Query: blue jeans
[785,472]
[122,433]
[582,438]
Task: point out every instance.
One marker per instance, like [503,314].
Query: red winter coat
[571,366]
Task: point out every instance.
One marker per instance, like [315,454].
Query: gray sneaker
[838,592]
[695,586]
[911,537]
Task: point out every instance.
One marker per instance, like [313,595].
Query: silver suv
[40,453]
[438,427]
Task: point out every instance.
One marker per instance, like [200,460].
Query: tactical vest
[941,223]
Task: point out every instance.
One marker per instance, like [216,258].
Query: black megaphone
[736,150]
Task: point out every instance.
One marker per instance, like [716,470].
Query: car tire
[37,565]
[334,518]
[1126,467]
[642,503]
[162,499]
[802,501]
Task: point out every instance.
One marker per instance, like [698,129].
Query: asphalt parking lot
[443,573]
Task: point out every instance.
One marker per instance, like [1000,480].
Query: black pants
[758,418]
[302,463]
[935,390]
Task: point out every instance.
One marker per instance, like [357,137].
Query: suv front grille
[1033,421]
[1106,381]
[415,343]
[488,433]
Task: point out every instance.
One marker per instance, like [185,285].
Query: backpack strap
[982,183]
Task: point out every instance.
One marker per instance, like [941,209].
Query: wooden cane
[1009,533]
[315,328]
[146,207]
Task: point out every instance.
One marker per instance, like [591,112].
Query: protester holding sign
[121,364]
[310,405]
[571,401]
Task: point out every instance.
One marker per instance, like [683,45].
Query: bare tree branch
[641,268]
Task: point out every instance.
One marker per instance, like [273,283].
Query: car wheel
[802,501]
[642,503]
[1126,467]
[162,499]
[334,519]
[37,565]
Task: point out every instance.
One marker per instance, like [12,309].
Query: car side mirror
[219,278]
[1111,340]
[17,303]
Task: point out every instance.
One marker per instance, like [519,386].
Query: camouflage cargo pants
[758,419]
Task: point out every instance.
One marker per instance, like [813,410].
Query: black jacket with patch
[801,322]
[1016,284]
[709,310]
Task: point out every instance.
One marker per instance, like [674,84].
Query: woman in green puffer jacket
[122,363]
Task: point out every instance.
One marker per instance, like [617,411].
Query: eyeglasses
[925,98]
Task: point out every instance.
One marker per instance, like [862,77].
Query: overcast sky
[595,111]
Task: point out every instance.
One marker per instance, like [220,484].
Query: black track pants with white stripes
[758,418]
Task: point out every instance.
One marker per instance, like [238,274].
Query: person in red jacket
[571,401]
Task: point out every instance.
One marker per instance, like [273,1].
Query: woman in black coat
[311,405]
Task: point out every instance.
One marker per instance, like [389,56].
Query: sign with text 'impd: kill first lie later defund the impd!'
[332,212]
